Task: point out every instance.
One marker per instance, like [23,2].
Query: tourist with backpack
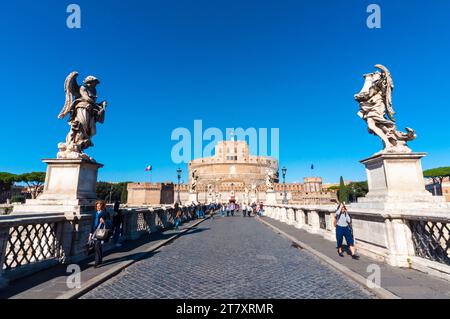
[343,223]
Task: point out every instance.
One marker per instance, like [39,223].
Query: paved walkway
[51,283]
[229,257]
[405,283]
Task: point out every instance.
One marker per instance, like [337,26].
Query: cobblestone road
[229,257]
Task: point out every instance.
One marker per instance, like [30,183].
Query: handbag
[101,232]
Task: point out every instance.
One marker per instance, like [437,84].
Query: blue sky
[292,65]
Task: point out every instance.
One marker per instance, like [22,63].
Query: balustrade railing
[29,243]
[413,239]
[431,240]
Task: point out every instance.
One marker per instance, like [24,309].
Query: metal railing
[431,240]
[29,243]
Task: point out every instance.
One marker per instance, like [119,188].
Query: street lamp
[283,171]
[179,177]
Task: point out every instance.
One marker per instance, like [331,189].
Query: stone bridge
[287,253]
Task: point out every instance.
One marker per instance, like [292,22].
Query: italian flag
[148,168]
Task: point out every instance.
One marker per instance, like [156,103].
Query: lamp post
[179,177]
[110,192]
[285,200]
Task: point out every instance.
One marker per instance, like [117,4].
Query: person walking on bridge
[343,223]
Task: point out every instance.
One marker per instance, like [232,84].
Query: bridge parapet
[414,239]
[29,243]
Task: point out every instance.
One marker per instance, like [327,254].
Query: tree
[34,181]
[7,180]
[112,191]
[343,191]
[437,174]
[357,189]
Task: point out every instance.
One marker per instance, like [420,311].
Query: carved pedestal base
[396,182]
[70,188]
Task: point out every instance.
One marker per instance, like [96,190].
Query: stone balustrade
[414,239]
[31,242]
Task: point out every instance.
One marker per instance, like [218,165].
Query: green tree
[357,189]
[7,180]
[112,191]
[437,174]
[343,191]
[35,182]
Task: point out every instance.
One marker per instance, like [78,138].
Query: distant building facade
[438,189]
[150,193]
[231,173]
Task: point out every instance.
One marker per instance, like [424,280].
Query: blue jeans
[177,223]
[342,232]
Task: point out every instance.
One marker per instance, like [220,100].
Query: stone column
[314,222]
[300,218]
[4,236]
[290,216]
[64,234]
[152,217]
[283,214]
[80,227]
[164,217]
[400,244]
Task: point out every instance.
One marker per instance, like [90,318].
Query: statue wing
[389,89]
[72,90]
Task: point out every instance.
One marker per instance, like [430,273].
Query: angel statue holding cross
[84,112]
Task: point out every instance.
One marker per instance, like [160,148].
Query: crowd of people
[107,226]
[247,210]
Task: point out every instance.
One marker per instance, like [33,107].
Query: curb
[99,279]
[379,292]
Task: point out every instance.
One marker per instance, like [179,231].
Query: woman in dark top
[100,218]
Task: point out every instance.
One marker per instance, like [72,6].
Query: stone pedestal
[70,188]
[271,197]
[396,181]
[193,198]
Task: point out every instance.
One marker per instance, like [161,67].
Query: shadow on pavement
[54,278]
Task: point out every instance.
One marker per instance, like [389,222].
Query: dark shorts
[342,232]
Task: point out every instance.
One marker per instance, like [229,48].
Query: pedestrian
[99,221]
[261,209]
[117,223]
[244,210]
[232,208]
[178,215]
[222,210]
[342,221]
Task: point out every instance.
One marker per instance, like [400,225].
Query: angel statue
[270,179]
[194,176]
[375,107]
[84,112]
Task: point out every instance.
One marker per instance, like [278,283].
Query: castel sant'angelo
[232,173]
